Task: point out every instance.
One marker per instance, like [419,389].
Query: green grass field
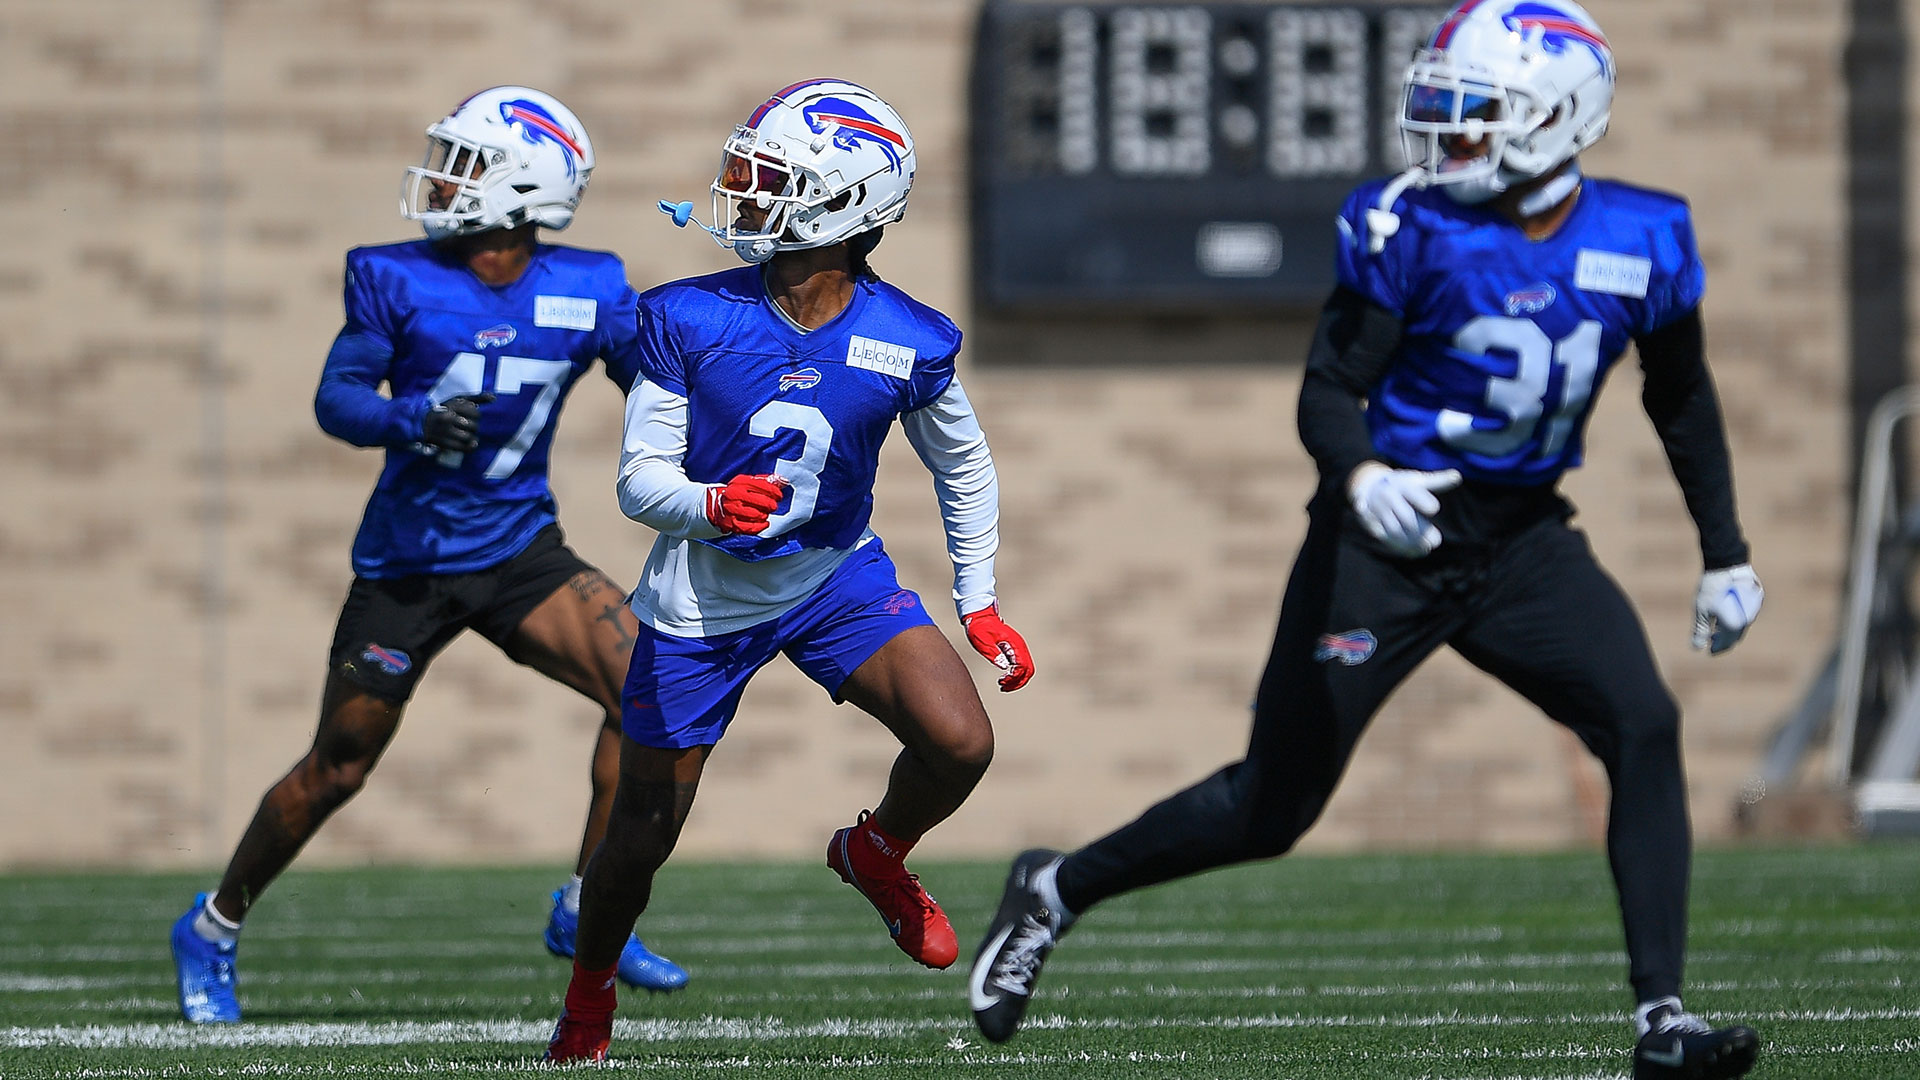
[1371,967]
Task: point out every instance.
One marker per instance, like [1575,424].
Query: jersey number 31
[1522,399]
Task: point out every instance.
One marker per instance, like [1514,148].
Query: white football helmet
[1504,91]
[504,157]
[826,159]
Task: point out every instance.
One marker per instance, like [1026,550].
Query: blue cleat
[639,967]
[205,971]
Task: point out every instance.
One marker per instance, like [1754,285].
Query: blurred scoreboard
[1177,157]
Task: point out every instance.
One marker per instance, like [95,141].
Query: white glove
[1727,603]
[1394,505]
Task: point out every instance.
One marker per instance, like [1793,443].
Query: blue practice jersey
[763,396]
[428,328]
[1507,339]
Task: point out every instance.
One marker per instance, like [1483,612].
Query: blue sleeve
[659,357]
[930,379]
[1378,276]
[620,350]
[1681,279]
[349,404]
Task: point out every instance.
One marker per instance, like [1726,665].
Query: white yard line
[752,1064]
[179,1036]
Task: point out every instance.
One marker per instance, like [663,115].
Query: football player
[478,331]
[1447,389]
[752,438]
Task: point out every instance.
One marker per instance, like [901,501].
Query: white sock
[570,896]
[1045,883]
[213,926]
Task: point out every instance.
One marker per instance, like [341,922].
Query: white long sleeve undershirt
[947,436]
[653,487]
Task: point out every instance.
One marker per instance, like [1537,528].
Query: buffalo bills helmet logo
[1348,648]
[494,337]
[804,379]
[1558,29]
[853,125]
[537,125]
[1531,300]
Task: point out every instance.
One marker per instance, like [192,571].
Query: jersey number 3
[802,472]
[1522,399]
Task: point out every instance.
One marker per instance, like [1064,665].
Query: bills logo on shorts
[391,661]
[899,602]
[1349,647]
[804,379]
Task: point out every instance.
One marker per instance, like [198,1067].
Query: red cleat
[580,1039]
[586,1020]
[870,861]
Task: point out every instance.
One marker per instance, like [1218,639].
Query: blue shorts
[683,691]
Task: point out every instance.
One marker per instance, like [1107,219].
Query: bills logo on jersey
[495,337]
[1531,300]
[391,661]
[854,125]
[1348,648]
[537,125]
[804,379]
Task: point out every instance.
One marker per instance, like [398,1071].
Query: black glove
[454,424]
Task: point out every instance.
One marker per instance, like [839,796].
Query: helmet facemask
[454,161]
[1464,129]
[767,181]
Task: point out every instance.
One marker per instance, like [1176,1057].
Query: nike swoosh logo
[977,995]
[1673,1058]
[1737,605]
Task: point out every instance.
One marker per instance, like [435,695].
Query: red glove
[742,504]
[999,643]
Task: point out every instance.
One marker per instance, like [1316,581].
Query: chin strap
[1549,195]
[1382,222]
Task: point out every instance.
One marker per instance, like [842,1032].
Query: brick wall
[185,177]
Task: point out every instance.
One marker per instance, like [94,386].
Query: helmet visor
[751,176]
[1451,106]
[1452,126]
[755,191]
